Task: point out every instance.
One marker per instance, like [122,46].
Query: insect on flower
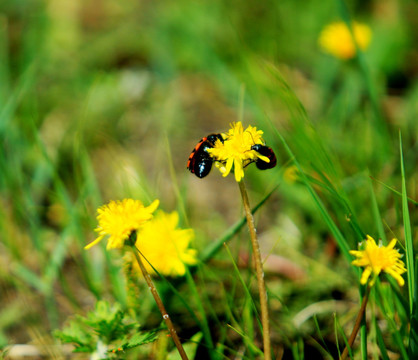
[200,162]
[235,150]
[267,152]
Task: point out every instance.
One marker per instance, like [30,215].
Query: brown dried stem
[357,324]
[160,304]
[259,272]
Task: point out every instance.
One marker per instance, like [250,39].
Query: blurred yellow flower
[164,245]
[291,174]
[236,149]
[119,219]
[376,258]
[336,39]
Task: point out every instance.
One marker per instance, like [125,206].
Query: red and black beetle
[267,152]
[200,162]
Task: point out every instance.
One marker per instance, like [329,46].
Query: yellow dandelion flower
[236,150]
[119,219]
[164,245]
[336,39]
[377,258]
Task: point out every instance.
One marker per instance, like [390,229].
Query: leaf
[137,339]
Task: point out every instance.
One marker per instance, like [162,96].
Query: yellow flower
[165,246]
[336,39]
[119,219]
[236,150]
[291,174]
[376,258]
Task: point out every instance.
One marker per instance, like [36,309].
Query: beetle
[267,152]
[200,162]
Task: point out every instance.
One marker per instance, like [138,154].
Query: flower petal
[119,219]
[377,258]
[165,246]
[236,149]
[94,242]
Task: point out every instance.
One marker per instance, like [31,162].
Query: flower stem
[160,304]
[357,324]
[259,271]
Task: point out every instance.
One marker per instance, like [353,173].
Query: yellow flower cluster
[236,150]
[377,258]
[337,40]
[119,219]
[165,246]
[157,237]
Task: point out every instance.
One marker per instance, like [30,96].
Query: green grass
[105,100]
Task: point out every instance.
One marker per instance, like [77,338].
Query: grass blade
[412,201]
[409,246]
[380,341]
[217,244]
[342,243]
[413,335]
[376,215]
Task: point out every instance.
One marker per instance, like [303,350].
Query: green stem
[259,271]
[160,304]
[357,324]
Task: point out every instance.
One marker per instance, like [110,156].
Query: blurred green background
[102,100]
